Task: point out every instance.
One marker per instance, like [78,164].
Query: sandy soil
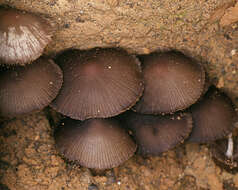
[200,29]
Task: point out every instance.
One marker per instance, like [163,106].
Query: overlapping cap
[213,117]
[155,134]
[94,143]
[98,83]
[172,82]
[28,88]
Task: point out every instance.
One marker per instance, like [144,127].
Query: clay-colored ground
[201,29]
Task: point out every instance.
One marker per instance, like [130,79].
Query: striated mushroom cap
[172,82]
[219,150]
[98,83]
[28,88]
[94,143]
[213,117]
[23,36]
[157,134]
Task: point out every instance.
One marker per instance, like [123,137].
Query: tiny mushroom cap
[172,82]
[94,143]
[224,155]
[98,83]
[213,117]
[24,89]
[23,36]
[155,134]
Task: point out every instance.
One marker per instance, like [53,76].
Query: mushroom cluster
[163,97]
[27,83]
[98,84]
[178,104]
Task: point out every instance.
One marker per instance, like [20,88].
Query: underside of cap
[219,153]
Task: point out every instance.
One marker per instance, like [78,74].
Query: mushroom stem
[230,147]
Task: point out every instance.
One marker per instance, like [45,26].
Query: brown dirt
[28,159]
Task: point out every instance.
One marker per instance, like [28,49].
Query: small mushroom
[155,134]
[172,82]
[23,36]
[98,83]
[225,152]
[94,143]
[24,89]
[213,117]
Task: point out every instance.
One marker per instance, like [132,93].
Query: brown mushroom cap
[157,134]
[98,83]
[213,117]
[219,148]
[94,143]
[172,82]
[28,88]
[23,36]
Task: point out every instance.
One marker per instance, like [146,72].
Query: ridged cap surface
[172,82]
[99,83]
[94,143]
[213,117]
[23,36]
[28,88]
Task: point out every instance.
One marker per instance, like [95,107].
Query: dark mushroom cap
[219,148]
[23,36]
[94,143]
[98,83]
[172,82]
[28,88]
[213,117]
[157,134]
